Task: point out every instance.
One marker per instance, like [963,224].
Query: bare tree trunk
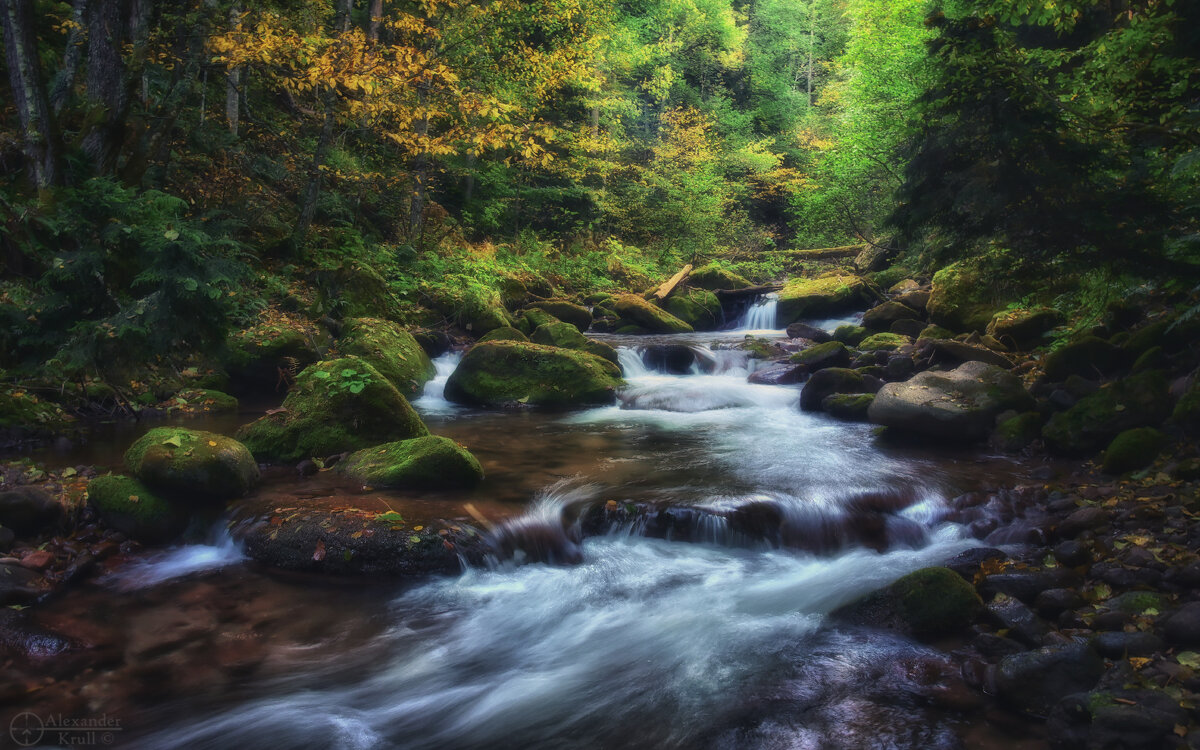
[33,107]
[233,80]
[342,17]
[376,12]
[107,23]
[65,82]
[308,202]
[420,176]
[811,34]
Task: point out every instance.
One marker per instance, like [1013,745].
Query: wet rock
[699,308]
[648,316]
[1111,621]
[819,297]
[778,375]
[1019,620]
[125,504]
[335,406]
[1186,414]
[1037,680]
[712,277]
[1090,357]
[806,331]
[961,404]
[821,356]
[958,351]
[850,334]
[1084,519]
[29,511]
[7,538]
[928,603]
[1024,328]
[917,299]
[435,343]
[1119,644]
[1053,602]
[389,349]
[827,382]
[898,368]
[507,373]
[19,585]
[881,317]
[995,646]
[1026,585]
[307,468]
[968,562]
[849,407]
[1133,449]
[675,359]
[1183,627]
[884,342]
[1116,720]
[1015,434]
[910,328]
[192,463]
[568,312]
[428,462]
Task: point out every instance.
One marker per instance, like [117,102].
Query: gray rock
[1119,644]
[1036,680]
[1020,620]
[1184,626]
[29,511]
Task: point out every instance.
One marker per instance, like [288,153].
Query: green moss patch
[421,463]
[192,463]
[391,350]
[507,373]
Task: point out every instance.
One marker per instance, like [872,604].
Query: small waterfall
[631,363]
[762,314]
[220,550]
[543,533]
[720,361]
[433,397]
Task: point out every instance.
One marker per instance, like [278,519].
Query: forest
[497,307]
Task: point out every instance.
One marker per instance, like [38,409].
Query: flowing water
[707,631]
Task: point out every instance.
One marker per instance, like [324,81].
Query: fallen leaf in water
[319,553]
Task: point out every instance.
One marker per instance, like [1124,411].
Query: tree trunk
[65,82]
[342,15]
[308,203]
[469,181]
[376,12]
[33,107]
[811,42]
[107,23]
[233,80]
[420,176]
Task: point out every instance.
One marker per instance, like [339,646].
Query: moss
[1137,401]
[601,350]
[533,319]
[936,600]
[636,310]
[207,401]
[826,295]
[22,410]
[712,277]
[501,373]
[629,329]
[337,405]
[255,355]
[884,341]
[850,335]
[829,354]
[568,312]
[1154,358]
[851,407]
[936,332]
[1024,327]
[959,300]
[391,350]
[558,334]
[1089,357]
[428,462]
[504,333]
[827,382]
[699,308]
[469,305]
[192,463]
[759,348]
[1186,414]
[1015,434]
[127,505]
[1133,449]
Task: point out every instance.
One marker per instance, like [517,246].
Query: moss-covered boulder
[1015,434]
[566,311]
[468,304]
[125,504]
[888,342]
[504,333]
[1090,357]
[930,602]
[204,401]
[1024,328]
[827,382]
[533,318]
[1133,449]
[508,373]
[638,311]
[22,414]
[1137,401]
[712,277]
[192,463]
[958,405]
[428,462]
[391,350]
[882,316]
[558,334]
[829,354]
[359,291]
[601,350]
[1186,414]
[256,356]
[849,334]
[936,332]
[338,405]
[849,407]
[827,295]
[960,299]
[699,308]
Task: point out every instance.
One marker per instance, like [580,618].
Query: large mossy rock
[814,298]
[1035,681]
[829,354]
[1133,449]
[829,382]
[930,602]
[1024,328]
[887,342]
[566,336]
[958,405]
[959,299]
[192,463]
[712,277]
[882,316]
[569,312]
[1186,414]
[647,316]
[469,305]
[428,462]
[391,350]
[359,290]
[1089,357]
[338,405]
[504,333]
[257,355]
[507,373]
[699,308]
[125,504]
[1138,401]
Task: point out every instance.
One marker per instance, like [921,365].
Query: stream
[697,635]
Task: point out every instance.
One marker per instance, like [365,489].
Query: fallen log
[748,291]
[669,286]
